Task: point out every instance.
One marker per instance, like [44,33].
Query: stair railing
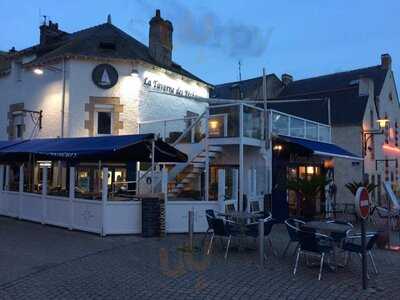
[176,142]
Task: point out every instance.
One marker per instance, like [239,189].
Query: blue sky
[301,37]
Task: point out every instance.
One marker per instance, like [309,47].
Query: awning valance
[320,148]
[122,148]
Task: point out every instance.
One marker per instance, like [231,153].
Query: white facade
[140,103]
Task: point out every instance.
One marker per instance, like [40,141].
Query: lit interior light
[44,163]
[310,170]
[213,124]
[134,73]
[382,123]
[38,71]
[277,148]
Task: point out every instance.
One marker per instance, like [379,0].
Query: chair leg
[205,237]
[297,261]
[286,248]
[373,261]
[227,247]
[321,266]
[210,245]
[274,253]
[297,248]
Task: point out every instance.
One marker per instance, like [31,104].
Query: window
[18,126]
[104,122]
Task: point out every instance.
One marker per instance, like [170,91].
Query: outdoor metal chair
[210,216]
[350,246]
[292,226]
[255,206]
[313,244]
[223,229]
[252,230]
[230,207]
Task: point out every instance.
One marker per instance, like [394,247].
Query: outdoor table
[240,218]
[328,228]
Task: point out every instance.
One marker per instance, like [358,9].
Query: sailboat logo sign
[105,76]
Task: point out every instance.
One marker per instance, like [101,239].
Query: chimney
[49,33]
[286,79]
[160,39]
[386,61]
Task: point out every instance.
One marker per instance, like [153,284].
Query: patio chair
[350,246]
[210,216]
[255,206]
[223,229]
[252,230]
[230,207]
[293,227]
[313,244]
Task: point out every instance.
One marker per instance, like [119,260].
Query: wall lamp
[40,70]
[368,134]
[134,73]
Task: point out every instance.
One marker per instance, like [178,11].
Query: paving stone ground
[44,262]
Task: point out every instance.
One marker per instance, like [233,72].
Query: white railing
[289,125]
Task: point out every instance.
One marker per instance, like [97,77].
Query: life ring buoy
[148,180]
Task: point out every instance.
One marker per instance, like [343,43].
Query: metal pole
[63,100]
[207,162]
[364,256]
[190,228]
[261,241]
[152,165]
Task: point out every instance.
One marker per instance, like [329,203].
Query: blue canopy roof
[107,148]
[320,148]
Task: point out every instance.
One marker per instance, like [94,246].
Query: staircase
[182,178]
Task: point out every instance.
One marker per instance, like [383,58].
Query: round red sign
[362,202]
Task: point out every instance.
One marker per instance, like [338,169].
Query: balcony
[288,125]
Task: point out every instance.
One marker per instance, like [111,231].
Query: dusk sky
[303,38]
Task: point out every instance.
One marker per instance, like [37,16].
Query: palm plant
[353,186]
[309,189]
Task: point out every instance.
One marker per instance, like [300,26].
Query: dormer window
[354,82]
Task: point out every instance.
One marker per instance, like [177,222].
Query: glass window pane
[280,124]
[216,126]
[296,127]
[311,131]
[324,134]
[104,122]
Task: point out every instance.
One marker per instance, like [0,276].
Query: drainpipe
[63,99]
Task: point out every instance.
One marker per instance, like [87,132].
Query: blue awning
[320,148]
[120,148]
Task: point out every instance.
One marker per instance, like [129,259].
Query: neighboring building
[95,81]
[351,102]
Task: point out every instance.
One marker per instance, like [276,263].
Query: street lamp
[367,134]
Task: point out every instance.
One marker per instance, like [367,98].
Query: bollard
[261,240]
[190,228]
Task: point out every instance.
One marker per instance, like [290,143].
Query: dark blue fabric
[113,148]
[320,148]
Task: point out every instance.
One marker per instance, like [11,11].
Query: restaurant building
[65,101]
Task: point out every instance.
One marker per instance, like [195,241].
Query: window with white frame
[103,120]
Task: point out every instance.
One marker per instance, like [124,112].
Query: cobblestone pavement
[43,262]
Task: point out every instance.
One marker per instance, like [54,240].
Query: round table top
[327,227]
[239,215]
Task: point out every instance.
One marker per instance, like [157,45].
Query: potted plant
[308,189]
